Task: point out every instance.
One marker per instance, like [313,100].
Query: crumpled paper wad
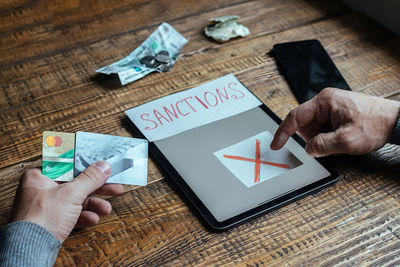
[224,28]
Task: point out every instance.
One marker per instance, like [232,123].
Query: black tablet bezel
[203,211]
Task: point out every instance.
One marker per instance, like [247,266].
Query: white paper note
[253,162]
[173,114]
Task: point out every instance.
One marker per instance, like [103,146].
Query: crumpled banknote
[157,53]
[224,28]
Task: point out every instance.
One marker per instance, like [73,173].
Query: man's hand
[61,207]
[339,121]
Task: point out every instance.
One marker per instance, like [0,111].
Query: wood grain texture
[48,53]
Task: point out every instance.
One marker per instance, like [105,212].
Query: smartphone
[308,68]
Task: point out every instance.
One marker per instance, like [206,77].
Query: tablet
[213,142]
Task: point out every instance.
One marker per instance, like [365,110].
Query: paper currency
[224,28]
[157,53]
[58,155]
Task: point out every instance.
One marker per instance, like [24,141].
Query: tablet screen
[230,167]
[217,137]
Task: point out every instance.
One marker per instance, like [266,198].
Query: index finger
[297,117]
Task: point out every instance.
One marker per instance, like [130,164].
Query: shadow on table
[371,33]
[109,82]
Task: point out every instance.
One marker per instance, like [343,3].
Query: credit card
[58,155]
[127,156]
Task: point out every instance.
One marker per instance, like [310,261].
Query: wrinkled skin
[337,121]
[61,207]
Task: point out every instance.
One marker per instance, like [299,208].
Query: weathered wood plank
[91,111]
[153,226]
[46,75]
[342,222]
[48,27]
[352,223]
[34,104]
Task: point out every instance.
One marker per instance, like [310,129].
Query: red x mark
[258,162]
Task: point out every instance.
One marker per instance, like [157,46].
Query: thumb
[91,179]
[323,144]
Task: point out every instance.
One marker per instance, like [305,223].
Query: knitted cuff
[25,243]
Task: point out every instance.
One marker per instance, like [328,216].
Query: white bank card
[127,156]
[179,112]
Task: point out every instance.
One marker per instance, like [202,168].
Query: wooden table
[48,54]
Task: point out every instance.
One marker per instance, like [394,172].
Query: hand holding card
[127,156]
[66,155]
[61,207]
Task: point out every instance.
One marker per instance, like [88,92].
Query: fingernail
[280,141]
[104,166]
[273,146]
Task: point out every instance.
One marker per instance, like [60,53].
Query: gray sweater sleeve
[27,244]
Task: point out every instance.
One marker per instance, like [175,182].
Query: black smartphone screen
[308,68]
